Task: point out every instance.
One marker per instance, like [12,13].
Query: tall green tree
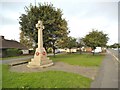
[55,24]
[26,41]
[95,39]
[62,43]
[115,45]
[71,42]
[80,43]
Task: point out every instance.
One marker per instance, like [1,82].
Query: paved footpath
[15,59]
[19,59]
[107,76]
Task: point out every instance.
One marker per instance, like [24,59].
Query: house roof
[4,43]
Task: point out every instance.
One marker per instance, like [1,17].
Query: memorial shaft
[40,38]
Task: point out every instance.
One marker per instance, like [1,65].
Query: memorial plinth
[40,57]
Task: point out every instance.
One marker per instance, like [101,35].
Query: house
[7,44]
[86,49]
[97,50]
[73,50]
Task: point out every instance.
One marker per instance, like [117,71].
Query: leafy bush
[13,52]
[20,52]
[49,50]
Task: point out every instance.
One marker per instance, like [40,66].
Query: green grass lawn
[53,79]
[81,60]
[48,79]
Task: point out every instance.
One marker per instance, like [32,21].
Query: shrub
[13,52]
[49,50]
[20,52]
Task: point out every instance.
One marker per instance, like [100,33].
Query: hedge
[13,52]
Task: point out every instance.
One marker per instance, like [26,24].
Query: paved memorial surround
[40,57]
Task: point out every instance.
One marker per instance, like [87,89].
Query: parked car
[57,51]
[97,50]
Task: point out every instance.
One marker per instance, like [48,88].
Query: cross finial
[39,25]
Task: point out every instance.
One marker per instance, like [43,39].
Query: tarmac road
[107,76]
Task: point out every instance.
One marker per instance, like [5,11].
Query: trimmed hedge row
[13,52]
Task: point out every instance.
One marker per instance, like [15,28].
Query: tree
[115,45]
[80,43]
[55,25]
[70,43]
[26,41]
[95,39]
[62,43]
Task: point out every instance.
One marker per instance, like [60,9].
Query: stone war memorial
[40,57]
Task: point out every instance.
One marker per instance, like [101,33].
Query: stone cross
[40,27]
[40,57]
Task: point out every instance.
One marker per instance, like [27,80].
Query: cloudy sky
[82,16]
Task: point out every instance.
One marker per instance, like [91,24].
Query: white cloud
[81,17]
[80,27]
[10,32]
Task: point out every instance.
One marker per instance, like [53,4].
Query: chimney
[1,37]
